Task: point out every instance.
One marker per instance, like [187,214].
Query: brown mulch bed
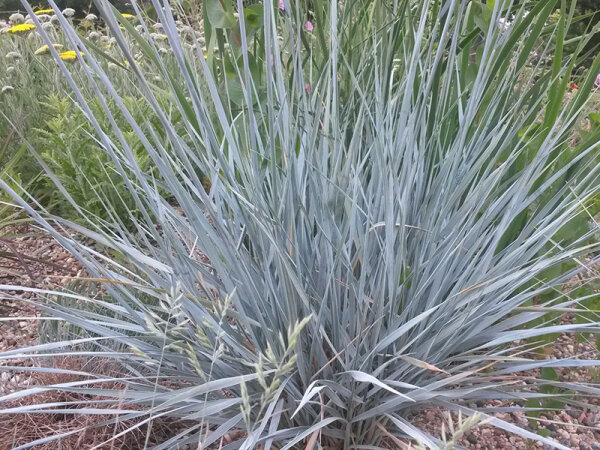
[82,430]
[31,258]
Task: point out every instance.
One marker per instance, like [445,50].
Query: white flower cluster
[16,19]
[158,37]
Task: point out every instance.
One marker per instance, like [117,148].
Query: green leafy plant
[33,94]
[71,152]
[380,212]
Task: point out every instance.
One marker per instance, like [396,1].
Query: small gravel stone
[563,434]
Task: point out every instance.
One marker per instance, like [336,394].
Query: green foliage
[589,11]
[69,149]
[37,113]
[555,400]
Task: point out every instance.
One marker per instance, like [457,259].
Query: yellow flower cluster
[44,11]
[21,28]
[69,55]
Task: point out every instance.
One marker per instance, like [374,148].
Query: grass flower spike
[44,11]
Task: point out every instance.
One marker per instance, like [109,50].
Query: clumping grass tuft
[388,210]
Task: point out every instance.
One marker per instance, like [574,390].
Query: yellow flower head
[21,28]
[44,11]
[128,16]
[44,49]
[70,55]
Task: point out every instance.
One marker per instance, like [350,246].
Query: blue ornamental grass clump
[391,199]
